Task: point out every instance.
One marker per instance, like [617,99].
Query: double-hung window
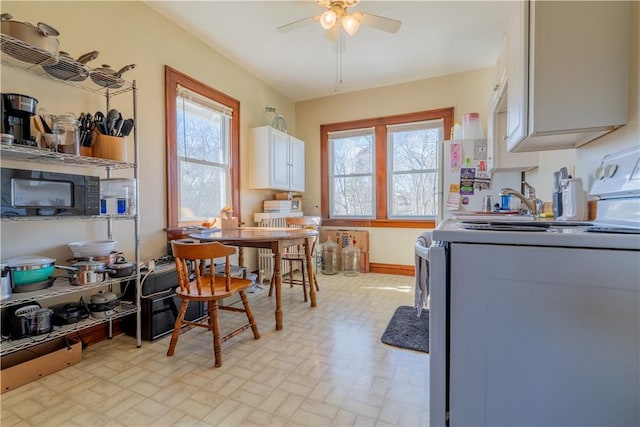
[384,171]
[202,151]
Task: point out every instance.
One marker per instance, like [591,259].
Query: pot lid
[29,260]
[103,297]
[121,265]
[88,265]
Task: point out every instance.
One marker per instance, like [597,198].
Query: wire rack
[18,54]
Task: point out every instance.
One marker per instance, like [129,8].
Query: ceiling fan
[337,14]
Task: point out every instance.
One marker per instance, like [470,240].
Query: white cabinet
[277,160]
[567,71]
[498,158]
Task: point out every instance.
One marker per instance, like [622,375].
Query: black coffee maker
[17,111]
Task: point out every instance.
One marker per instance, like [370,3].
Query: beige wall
[124,33]
[466,92]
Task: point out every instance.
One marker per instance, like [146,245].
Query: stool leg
[215,328]
[176,327]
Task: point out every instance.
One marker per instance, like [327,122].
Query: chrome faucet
[534,206]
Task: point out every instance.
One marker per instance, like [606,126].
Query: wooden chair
[298,256]
[198,282]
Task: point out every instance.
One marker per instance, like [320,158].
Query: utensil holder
[86,151]
[227,224]
[110,147]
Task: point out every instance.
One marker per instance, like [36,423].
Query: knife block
[109,147]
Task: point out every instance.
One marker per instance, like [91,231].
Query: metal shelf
[67,218]
[42,155]
[10,346]
[34,56]
[61,286]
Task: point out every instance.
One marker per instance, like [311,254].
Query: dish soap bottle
[351,259]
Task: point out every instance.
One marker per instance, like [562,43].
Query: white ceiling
[436,38]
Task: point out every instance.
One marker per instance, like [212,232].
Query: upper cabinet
[567,73]
[277,160]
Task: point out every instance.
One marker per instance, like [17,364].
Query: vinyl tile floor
[327,367]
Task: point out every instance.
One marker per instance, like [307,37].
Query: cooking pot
[41,43]
[121,268]
[70,69]
[5,283]
[22,104]
[108,77]
[28,270]
[84,272]
[103,304]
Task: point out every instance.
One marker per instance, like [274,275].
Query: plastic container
[330,262]
[65,129]
[118,196]
[456,132]
[471,127]
[351,259]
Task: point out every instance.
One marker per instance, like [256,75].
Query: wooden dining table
[276,239]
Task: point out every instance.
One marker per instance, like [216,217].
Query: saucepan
[84,272]
[108,77]
[39,43]
[70,69]
[121,268]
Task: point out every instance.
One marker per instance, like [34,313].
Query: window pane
[202,190]
[415,150]
[352,196]
[201,133]
[414,194]
[353,155]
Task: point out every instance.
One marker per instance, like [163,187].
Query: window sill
[378,223]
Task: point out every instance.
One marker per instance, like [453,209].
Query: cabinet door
[296,164]
[517,74]
[279,175]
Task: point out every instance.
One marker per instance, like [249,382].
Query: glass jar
[329,263]
[65,131]
[273,119]
[351,259]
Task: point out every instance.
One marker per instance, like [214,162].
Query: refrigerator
[466,178]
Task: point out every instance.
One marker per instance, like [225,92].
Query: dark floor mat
[407,330]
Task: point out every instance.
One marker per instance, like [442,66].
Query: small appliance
[39,193]
[17,111]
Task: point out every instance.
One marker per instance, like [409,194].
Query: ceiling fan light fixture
[350,24]
[328,19]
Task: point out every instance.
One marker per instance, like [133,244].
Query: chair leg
[290,274]
[215,328]
[316,282]
[176,327]
[304,280]
[271,282]
[249,312]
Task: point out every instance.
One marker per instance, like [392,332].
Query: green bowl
[26,277]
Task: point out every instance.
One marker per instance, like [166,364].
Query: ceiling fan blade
[380,22]
[298,24]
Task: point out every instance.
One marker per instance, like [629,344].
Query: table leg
[312,283]
[277,272]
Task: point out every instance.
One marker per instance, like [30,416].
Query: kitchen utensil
[29,269]
[45,119]
[5,283]
[127,126]
[100,122]
[112,119]
[91,248]
[108,77]
[103,304]
[70,69]
[21,104]
[121,268]
[84,272]
[39,43]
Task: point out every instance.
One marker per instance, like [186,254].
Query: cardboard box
[22,367]
[342,238]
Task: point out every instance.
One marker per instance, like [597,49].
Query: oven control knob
[599,173]
[610,170]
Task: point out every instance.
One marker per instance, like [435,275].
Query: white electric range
[537,322]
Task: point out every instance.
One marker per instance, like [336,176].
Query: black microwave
[38,193]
